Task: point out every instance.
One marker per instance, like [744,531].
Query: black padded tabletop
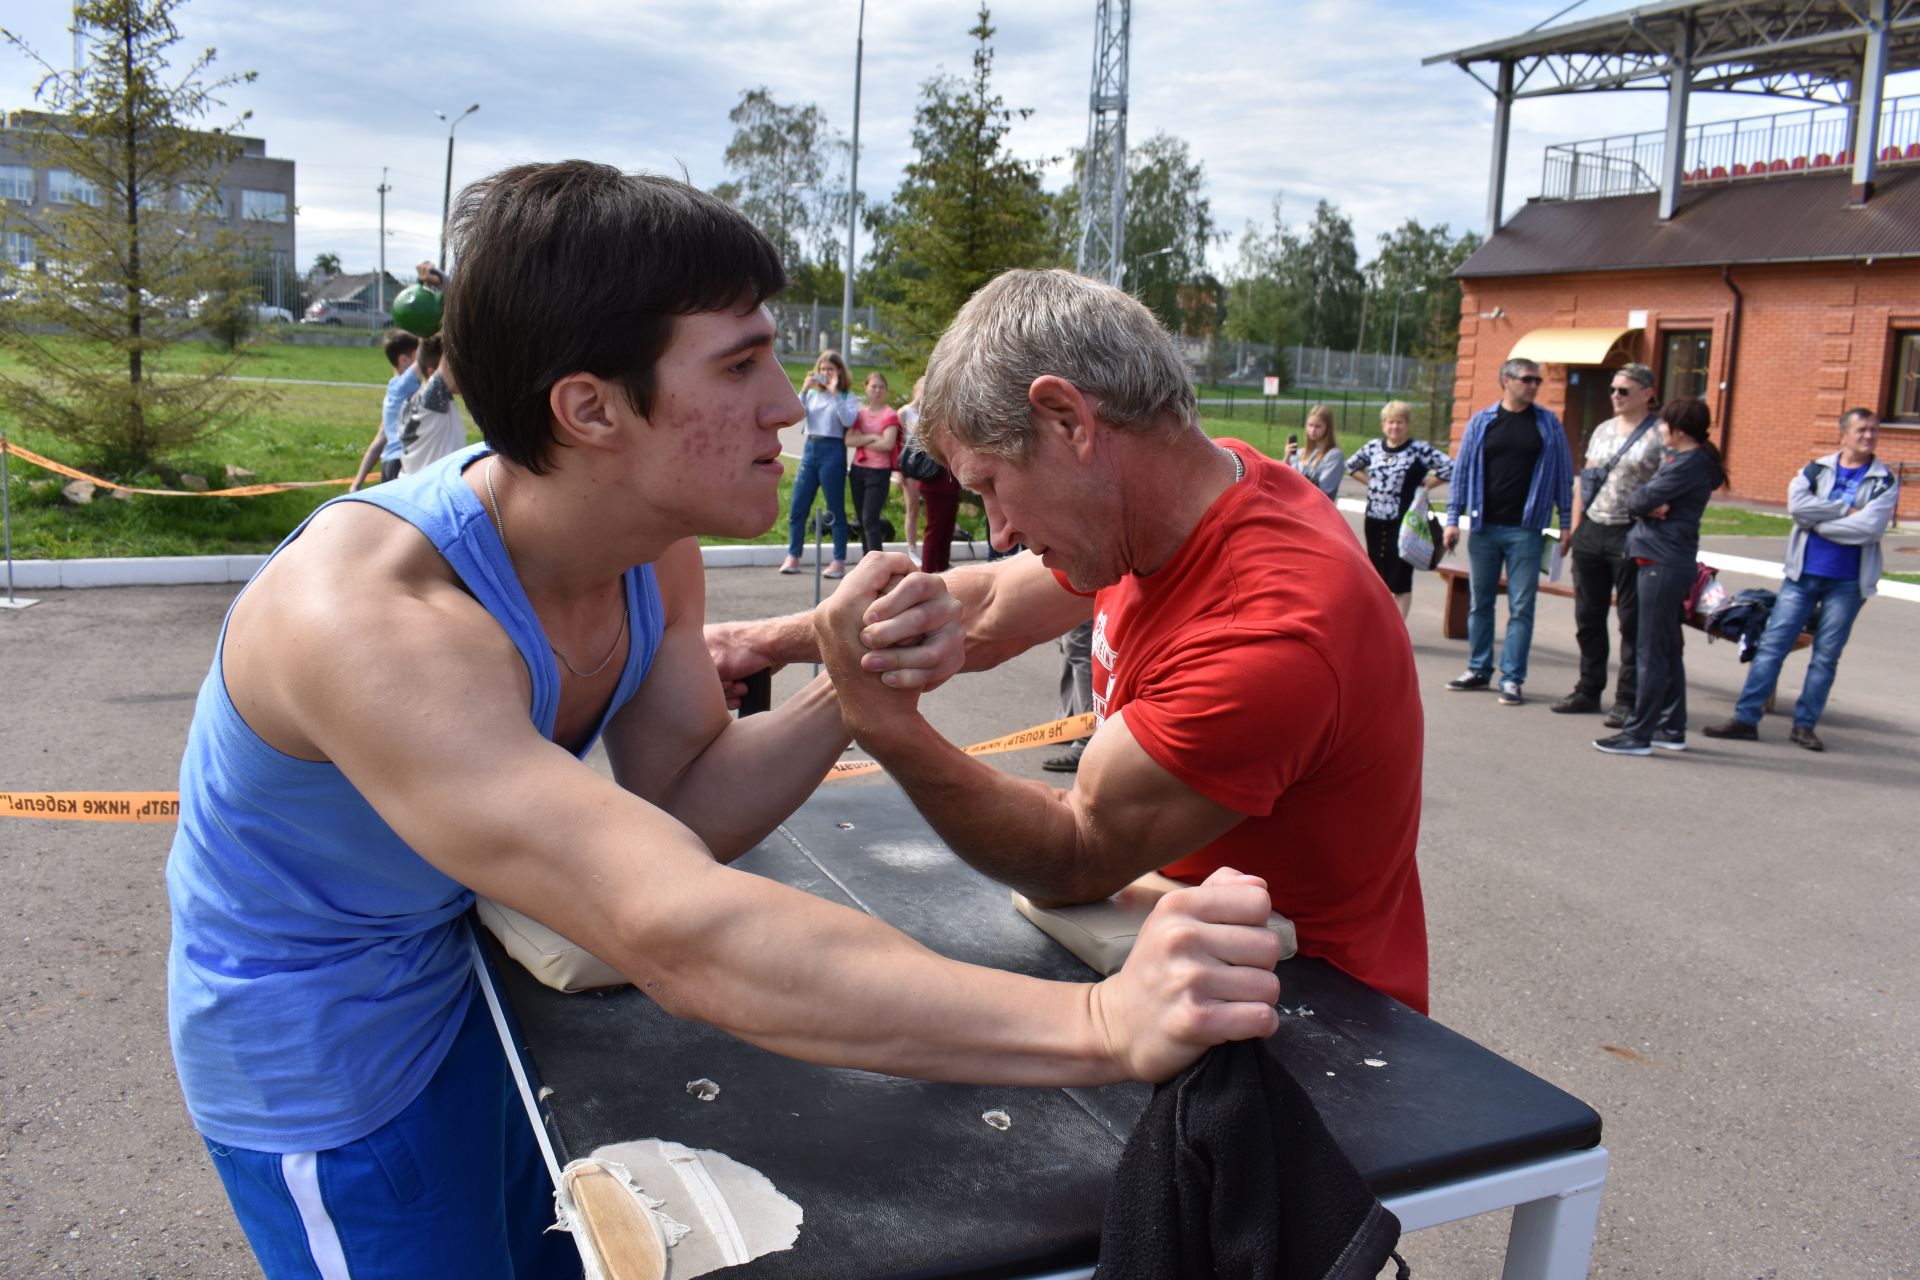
[903,1178]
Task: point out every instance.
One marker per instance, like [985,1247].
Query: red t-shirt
[872,423]
[1267,667]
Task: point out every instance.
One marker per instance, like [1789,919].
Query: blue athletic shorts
[452,1186]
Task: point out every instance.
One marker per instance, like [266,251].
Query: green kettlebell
[417,310]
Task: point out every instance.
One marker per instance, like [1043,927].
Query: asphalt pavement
[1716,949]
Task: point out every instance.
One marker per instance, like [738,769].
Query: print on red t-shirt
[1266,667]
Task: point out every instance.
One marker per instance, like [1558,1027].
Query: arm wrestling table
[903,1178]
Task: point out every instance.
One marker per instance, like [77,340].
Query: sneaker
[1576,703]
[1067,761]
[1734,728]
[1618,714]
[1806,738]
[1622,745]
[1468,681]
[1667,740]
[1510,693]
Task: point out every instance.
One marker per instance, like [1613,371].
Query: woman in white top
[827,395]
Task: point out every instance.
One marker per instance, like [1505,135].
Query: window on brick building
[1683,373]
[1906,378]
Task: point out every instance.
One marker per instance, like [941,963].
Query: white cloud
[1311,99]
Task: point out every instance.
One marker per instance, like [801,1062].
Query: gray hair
[1636,372]
[1026,324]
[1514,367]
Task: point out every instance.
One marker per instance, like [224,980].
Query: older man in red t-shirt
[1252,678]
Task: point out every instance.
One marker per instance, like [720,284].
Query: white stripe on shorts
[302,1171]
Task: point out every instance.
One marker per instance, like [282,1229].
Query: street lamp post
[446,198]
[1393,358]
[853,184]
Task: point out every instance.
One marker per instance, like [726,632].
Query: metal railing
[1813,138]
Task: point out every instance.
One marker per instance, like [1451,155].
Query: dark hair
[431,351]
[400,343]
[577,267]
[1851,414]
[1692,418]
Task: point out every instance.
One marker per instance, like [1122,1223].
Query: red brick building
[1768,264]
[1777,301]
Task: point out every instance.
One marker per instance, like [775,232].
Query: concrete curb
[171,571]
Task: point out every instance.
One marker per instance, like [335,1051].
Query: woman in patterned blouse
[1396,467]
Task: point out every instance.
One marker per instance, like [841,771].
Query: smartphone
[1292,439]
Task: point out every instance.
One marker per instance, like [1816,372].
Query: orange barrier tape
[243,491]
[1040,735]
[92,806]
[164,806]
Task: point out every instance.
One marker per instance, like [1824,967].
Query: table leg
[1552,1238]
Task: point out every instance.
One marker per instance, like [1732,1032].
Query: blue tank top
[318,972]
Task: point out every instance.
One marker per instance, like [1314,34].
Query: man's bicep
[679,708]
[1132,815]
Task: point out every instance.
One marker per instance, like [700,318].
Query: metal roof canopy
[1568,346]
[1833,50]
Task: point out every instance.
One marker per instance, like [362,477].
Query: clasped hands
[888,634]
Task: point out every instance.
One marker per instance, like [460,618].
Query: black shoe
[1510,693]
[1469,681]
[1067,761]
[1577,703]
[1806,738]
[1734,728]
[1618,714]
[1668,740]
[1622,745]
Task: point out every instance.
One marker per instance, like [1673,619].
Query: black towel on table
[1231,1175]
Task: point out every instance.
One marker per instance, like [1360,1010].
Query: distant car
[266,314]
[339,311]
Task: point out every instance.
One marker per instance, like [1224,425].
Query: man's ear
[584,410]
[1062,409]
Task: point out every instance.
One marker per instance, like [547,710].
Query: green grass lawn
[314,433]
[304,433]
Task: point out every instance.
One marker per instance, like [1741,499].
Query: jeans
[1603,574]
[1661,700]
[1838,601]
[1489,549]
[823,467]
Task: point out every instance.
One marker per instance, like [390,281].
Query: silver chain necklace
[500,527]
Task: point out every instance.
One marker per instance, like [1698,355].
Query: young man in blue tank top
[395,720]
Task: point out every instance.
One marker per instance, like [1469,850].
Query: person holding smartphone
[827,396]
[1321,460]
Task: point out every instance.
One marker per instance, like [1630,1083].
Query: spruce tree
[139,250]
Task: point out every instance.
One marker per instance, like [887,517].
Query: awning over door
[1568,346]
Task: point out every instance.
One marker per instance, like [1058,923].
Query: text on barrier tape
[243,491]
[92,806]
[164,806]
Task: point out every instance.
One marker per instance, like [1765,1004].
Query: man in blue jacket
[1513,469]
[1840,505]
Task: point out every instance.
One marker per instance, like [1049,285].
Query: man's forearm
[1023,834]
[759,770]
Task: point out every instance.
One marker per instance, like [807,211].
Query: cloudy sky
[1304,100]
